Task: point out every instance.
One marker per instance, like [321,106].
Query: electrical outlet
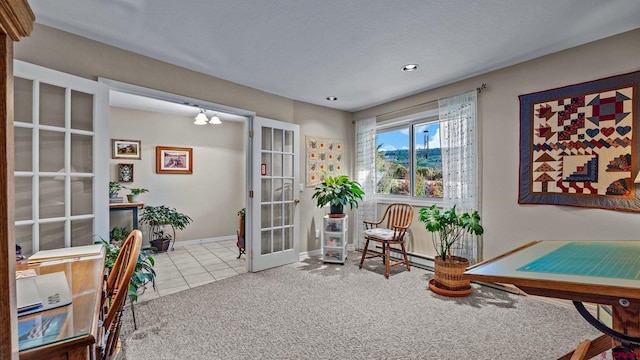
[317,233]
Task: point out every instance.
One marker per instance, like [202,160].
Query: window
[409,160]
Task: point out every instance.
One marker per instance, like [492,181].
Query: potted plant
[133,196]
[114,188]
[159,217]
[446,229]
[338,191]
[118,234]
[143,273]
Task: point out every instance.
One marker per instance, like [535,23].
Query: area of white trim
[173,98]
[403,120]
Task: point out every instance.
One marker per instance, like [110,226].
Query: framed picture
[174,160]
[126,149]
[125,172]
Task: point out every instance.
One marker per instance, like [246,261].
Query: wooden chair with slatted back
[390,230]
[117,289]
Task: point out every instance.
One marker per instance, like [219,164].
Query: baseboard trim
[204,241]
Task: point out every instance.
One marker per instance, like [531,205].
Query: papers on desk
[75,252]
[42,292]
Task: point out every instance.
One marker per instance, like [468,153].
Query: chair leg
[386,259]
[133,312]
[364,253]
[404,254]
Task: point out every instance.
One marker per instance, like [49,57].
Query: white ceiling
[352,49]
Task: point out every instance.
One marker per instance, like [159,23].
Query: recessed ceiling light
[410,67]
[332,98]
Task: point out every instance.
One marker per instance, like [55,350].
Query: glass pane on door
[52,236]
[23,145]
[81,111]
[52,105]
[22,100]
[51,197]
[51,151]
[24,198]
[82,232]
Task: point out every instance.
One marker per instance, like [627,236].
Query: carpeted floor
[311,310]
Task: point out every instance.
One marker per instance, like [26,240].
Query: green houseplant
[447,228]
[160,217]
[143,273]
[338,191]
[118,234]
[133,196]
[114,188]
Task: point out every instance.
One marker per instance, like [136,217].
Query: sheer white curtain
[460,162]
[365,173]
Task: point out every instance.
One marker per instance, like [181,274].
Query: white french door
[61,156]
[274,218]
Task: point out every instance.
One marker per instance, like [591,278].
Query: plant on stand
[114,188]
[447,228]
[160,217]
[338,191]
[133,196]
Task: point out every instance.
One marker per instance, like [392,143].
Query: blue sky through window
[399,139]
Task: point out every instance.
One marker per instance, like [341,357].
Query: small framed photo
[125,172]
[126,149]
[174,160]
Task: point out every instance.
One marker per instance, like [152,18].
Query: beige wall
[83,57]
[211,196]
[319,121]
[508,224]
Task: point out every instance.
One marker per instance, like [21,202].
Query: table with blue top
[601,272]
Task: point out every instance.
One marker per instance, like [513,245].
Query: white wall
[508,224]
[211,196]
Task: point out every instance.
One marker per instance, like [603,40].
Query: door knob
[296,201]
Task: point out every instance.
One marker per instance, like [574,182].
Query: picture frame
[174,160]
[126,149]
[125,172]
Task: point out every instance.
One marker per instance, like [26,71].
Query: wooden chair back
[117,289]
[398,215]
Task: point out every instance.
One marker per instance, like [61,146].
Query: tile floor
[193,265]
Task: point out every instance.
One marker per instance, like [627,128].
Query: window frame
[409,122]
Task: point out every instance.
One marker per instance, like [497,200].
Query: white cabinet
[334,239]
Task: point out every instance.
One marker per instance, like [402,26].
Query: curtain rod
[478,89]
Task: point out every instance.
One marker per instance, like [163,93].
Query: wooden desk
[622,293]
[133,207]
[80,329]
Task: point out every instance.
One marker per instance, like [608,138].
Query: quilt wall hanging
[579,144]
[324,156]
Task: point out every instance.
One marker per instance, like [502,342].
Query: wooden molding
[8,312]
[16,21]
[16,18]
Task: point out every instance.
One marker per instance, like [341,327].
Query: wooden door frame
[16,21]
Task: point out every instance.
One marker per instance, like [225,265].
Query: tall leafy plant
[143,273]
[338,190]
[449,227]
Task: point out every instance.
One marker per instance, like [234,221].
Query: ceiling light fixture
[201,118]
[410,67]
[215,120]
[332,98]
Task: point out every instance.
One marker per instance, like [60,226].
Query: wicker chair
[390,230]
